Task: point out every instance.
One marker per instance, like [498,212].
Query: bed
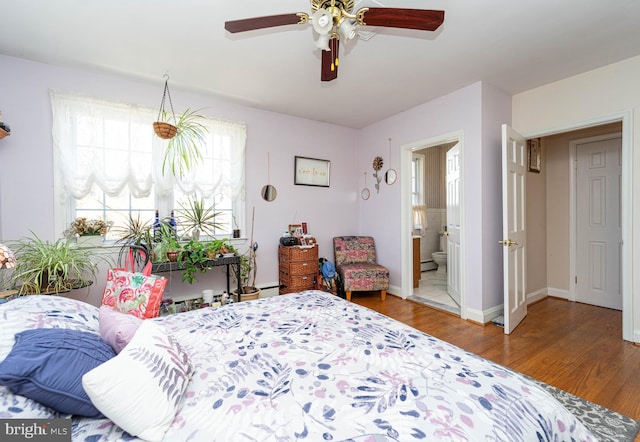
[303,366]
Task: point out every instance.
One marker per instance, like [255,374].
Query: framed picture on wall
[311,172]
[533,147]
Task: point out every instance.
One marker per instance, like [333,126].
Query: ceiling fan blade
[270,21]
[421,19]
[329,69]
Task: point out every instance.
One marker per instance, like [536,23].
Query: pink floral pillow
[117,328]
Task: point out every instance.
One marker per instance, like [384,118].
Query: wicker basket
[165,130]
[297,283]
[293,253]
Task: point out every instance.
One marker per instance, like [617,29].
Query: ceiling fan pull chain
[334,54]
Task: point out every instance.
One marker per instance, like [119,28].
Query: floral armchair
[356,265]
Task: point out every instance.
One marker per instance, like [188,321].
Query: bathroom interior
[430,224]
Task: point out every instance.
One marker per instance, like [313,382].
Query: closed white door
[598,276]
[453,222]
[514,169]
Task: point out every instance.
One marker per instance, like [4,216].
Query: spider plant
[183,150]
[52,267]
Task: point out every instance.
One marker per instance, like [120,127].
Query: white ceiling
[513,44]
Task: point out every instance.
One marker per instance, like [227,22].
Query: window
[417,193]
[417,179]
[108,165]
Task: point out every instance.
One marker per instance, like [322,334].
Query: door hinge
[576,279]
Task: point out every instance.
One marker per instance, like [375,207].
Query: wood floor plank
[572,346]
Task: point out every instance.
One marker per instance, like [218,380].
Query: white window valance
[112,146]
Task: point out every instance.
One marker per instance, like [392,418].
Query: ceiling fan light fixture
[323,42]
[347,29]
[322,21]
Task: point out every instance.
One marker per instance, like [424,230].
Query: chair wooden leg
[383,294]
[348,296]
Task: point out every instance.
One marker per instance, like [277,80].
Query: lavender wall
[26,189]
[473,111]
[26,173]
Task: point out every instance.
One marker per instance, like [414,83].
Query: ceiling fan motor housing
[346,5]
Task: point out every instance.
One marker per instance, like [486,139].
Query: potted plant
[197,219]
[136,232]
[168,247]
[194,258]
[52,267]
[219,247]
[88,232]
[247,276]
[185,136]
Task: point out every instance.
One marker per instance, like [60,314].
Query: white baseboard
[558,293]
[395,290]
[269,289]
[488,315]
[537,295]
[484,316]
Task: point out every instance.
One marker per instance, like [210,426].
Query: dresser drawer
[297,253]
[299,268]
[296,283]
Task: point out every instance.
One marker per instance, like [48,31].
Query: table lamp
[7,261]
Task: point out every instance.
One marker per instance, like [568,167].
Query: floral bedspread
[311,366]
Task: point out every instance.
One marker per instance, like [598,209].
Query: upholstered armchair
[357,267]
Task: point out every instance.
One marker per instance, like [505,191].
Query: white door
[598,276]
[514,169]
[453,222]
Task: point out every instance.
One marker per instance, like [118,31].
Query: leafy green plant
[53,267]
[167,242]
[183,150]
[194,215]
[194,258]
[218,247]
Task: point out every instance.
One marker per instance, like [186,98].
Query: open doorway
[434,215]
[552,210]
[556,245]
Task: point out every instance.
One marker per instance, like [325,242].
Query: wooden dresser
[298,267]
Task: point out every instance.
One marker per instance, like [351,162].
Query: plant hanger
[186,136]
[164,129]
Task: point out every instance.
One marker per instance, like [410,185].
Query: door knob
[507,242]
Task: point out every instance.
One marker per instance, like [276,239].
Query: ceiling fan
[333,20]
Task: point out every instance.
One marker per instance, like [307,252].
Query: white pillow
[140,389]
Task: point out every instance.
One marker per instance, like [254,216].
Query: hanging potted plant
[186,136]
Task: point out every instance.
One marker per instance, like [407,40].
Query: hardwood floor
[573,346]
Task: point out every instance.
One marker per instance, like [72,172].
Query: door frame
[573,202]
[406,247]
[626,197]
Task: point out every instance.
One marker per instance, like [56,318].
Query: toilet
[440,257]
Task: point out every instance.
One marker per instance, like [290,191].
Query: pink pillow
[117,328]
